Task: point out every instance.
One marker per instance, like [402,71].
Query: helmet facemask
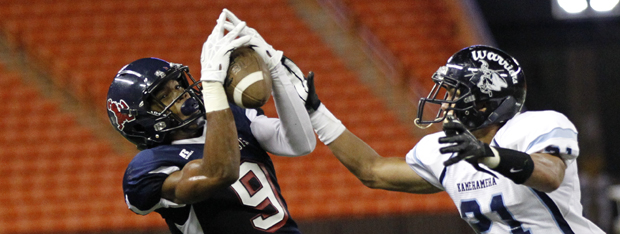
[455,100]
[460,102]
[166,121]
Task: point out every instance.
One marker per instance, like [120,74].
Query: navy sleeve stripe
[443,172]
[443,175]
[495,143]
[555,212]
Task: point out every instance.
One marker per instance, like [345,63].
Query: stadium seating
[56,175]
[421,34]
[61,178]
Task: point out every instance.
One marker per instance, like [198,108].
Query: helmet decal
[481,55]
[160,74]
[488,80]
[120,118]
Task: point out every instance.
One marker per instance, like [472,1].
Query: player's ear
[481,106]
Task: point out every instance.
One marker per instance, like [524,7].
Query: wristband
[326,125]
[214,96]
[515,165]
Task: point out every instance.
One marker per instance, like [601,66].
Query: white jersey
[498,205]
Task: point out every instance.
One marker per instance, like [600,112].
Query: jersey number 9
[255,189]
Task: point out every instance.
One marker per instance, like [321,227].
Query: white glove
[271,56]
[296,76]
[215,56]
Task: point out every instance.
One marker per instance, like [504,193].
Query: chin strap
[504,111]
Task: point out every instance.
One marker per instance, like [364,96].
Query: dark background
[571,66]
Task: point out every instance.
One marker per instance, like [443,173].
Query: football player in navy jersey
[506,170]
[203,164]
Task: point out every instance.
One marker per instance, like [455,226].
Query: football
[248,80]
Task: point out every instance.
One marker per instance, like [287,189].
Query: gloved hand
[296,76]
[215,56]
[464,144]
[303,85]
[313,102]
[271,56]
[327,127]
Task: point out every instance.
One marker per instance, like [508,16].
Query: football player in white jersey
[507,170]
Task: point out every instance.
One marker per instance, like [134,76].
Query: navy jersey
[253,204]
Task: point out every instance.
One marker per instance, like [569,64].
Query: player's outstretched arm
[375,171]
[219,167]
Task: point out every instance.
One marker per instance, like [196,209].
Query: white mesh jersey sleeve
[540,131]
[426,160]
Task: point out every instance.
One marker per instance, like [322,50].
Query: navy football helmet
[489,85]
[131,96]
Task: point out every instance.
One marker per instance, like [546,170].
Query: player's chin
[195,128]
[197,124]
